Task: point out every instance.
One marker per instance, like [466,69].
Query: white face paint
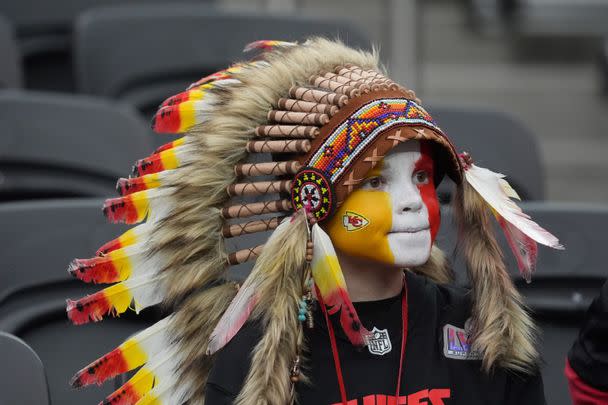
[394,216]
[409,237]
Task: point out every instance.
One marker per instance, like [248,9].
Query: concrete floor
[558,101]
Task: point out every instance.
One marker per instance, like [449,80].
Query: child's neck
[369,280]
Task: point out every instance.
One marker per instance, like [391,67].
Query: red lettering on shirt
[438,395]
[418,398]
[423,397]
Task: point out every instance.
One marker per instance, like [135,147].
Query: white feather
[143,260]
[155,338]
[496,192]
[168,391]
[241,306]
[146,291]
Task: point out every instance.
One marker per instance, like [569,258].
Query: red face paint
[428,191]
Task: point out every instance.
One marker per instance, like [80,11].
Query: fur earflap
[503,330]
[280,292]
[192,326]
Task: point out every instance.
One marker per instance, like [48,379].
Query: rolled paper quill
[287,131]
[318,96]
[360,84]
[339,78]
[291,104]
[259,188]
[267,168]
[230,231]
[291,117]
[351,73]
[258,208]
[289,146]
[244,255]
[336,87]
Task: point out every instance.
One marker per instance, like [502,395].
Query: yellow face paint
[392,217]
[361,224]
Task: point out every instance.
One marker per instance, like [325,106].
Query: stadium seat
[10,69]
[38,239]
[44,31]
[66,146]
[603,66]
[145,55]
[495,141]
[564,284]
[22,377]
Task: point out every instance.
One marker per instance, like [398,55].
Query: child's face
[393,217]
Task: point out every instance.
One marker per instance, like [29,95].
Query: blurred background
[521,84]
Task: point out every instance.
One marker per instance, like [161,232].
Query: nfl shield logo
[379,342]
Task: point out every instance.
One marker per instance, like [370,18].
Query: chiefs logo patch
[353,221]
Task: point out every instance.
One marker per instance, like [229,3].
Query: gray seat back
[38,240]
[565,281]
[22,378]
[498,142]
[10,66]
[45,37]
[146,55]
[56,145]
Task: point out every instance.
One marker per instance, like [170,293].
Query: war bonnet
[320,115]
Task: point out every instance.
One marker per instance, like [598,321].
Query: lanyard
[334,348]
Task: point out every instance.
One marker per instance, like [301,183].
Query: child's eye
[421,177]
[374,182]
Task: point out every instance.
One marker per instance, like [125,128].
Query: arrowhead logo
[353,221]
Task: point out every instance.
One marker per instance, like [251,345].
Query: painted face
[393,217]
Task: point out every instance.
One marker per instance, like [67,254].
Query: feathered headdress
[326,115]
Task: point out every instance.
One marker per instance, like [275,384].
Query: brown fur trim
[503,330]
[281,289]
[193,325]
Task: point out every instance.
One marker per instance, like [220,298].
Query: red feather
[125,395]
[120,209]
[151,164]
[524,248]
[176,99]
[349,320]
[167,146]
[131,185]
[167,119]
[90,308]
[109,246]
[96,270]
[100,370]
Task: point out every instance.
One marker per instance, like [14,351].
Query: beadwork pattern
[351,137]
[312,190]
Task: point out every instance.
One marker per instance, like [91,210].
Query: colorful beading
[351,137]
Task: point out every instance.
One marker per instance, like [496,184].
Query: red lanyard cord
[334,348]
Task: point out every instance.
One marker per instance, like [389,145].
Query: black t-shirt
[439,368]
